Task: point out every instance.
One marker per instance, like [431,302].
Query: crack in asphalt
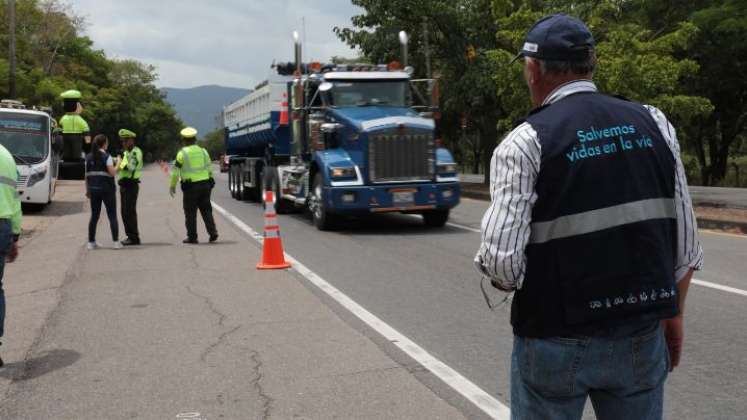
[257,384]
[221,323]
[211,305]
[209,349]
[31,292]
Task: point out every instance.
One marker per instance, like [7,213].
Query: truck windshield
[369,93]
[25,136]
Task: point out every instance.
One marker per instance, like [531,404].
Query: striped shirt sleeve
[689,251]
[506,224]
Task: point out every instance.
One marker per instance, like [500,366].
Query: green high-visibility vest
[131,166]
[192,165]
[10,202]
[73,124]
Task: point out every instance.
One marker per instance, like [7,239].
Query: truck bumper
[401,198]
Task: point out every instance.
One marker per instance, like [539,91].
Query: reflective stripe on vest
[99,173]
[4,180]
[601,219]
[188,168]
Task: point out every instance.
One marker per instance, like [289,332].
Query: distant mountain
[200,106]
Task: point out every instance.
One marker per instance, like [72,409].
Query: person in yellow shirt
[10,221]
[75,129]
[195,170]
[130,171]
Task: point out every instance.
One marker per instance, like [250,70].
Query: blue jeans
[623,375]
[6,238]
[109,199]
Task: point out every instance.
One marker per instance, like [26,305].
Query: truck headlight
[36,177]
[342,173]
[447,168]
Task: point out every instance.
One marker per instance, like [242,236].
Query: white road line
[484,401]
[694,281]
[458,226]
[454,225]
[720,287]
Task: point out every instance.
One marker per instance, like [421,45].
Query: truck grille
[21,181]
[401,156]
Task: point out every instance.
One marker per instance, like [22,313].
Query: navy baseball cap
[558,37]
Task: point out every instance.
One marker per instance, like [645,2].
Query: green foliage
[53,56]
[686,57]
[213,142]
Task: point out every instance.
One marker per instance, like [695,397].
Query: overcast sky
[223,42]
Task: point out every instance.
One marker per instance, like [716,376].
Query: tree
[720,51]
[645,50]
[54,56]
[460,35]
[213,142]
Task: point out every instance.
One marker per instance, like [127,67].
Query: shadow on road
[40,365]
[381,224]
[55,208]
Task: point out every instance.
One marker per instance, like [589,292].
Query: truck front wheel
[323,220]
[436,218]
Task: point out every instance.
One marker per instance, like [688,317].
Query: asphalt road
[421,281]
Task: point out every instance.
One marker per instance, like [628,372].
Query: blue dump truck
[341,140]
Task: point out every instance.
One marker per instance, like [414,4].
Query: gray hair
[578,67]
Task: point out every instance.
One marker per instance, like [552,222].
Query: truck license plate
[403,197]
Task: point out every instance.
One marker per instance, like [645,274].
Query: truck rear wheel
[436,218]
[256,193]
[323,220]
[243,192]
[232,180]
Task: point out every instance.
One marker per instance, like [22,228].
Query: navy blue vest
[603,235]
[97,177]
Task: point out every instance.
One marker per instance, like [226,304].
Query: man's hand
[88,195]
[12,253]
[674,334]
[172,191]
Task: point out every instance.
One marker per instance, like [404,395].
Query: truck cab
[341,140]
[367,148]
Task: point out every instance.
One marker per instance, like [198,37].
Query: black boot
[131,242]
[213,237]
[190,241]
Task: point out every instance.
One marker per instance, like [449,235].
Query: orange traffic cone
[273,257]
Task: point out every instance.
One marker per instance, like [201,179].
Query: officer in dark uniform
[130,172]
[195,170]
[583,228]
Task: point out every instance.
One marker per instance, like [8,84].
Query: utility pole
[12,48]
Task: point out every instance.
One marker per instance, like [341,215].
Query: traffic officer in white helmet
[194,169]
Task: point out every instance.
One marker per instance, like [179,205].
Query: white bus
[28,134]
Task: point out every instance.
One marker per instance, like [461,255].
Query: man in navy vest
[591,227]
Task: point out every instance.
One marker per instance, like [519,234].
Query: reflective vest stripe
[99,173]
[4,180]
[601,219]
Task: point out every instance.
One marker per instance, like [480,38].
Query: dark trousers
[129,190]
[197,196]
[72,147]
[109,198]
